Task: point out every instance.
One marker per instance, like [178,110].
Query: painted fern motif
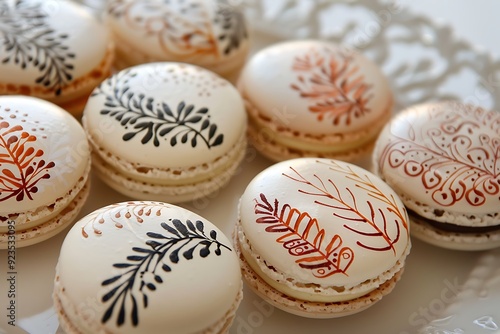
[302,236]
[142,272]
[233,27]
[28,40]
[28,167]
[179,27]
[361,217]
[142,115]
[334,87]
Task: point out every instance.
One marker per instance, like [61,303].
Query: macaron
[207,33]
[171,132]
[54,50]
[443,160]
[44,170]
[313,98]
[146,267]
[321,238]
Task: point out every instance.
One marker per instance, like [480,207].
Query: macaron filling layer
[334,143]
[43,214]
[49,228]
[442,160]
[169,176]
[454,228]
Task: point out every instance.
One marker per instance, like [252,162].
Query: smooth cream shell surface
[182,89]
[202,32]
[286,81]
[443,159]
[192,296]
[86,39]
[324,223]
[51,143]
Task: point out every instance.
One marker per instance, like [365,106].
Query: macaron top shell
[324,222]
[178,29]
[444,160]
[151,113]
[316,87]
[43,153]
[168,270]
[49,44]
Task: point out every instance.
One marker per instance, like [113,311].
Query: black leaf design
[153,243]
[233,27]
[135,312]
[180,240]
[153,120]
[111,293]
[27,39]
[111,280]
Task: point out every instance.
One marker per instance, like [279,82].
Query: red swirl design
[455,153]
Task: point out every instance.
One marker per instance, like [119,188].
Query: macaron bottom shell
[278,143]
[424,231]
[263,141]
[310,309]
[127,56]
[219,327]
[160,190]
[51,227]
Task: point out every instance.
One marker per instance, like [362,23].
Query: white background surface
[476,21]
[431,278]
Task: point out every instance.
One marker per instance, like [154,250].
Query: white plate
[441,291]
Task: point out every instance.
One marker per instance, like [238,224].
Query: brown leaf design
[365,219]
[302,237]
[16,149]
[445,156]
[333,86]
[132,211]
[184,31]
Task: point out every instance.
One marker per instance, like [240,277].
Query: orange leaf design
[16,150]
[302,237]
[364,219]
[333,86]
[132,211]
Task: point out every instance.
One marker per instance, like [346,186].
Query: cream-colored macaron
[54,50]
[207,33]
[166,131]
[146,267]
[314,98]
[443,159]
[321,238]
[44,168]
